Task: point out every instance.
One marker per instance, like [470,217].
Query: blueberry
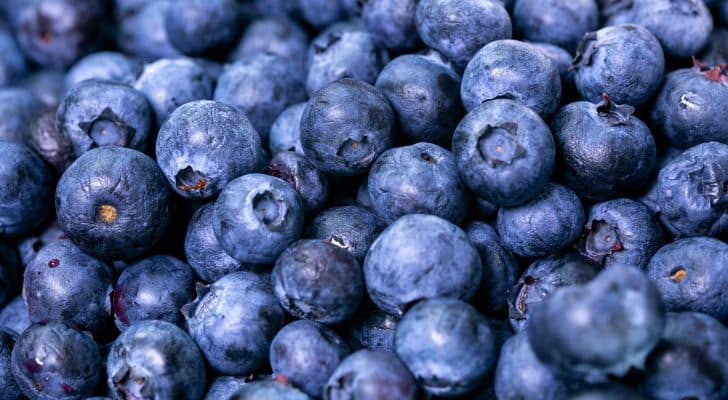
[425,96]
[621,231]
[234,320]
[609,391]
[682,26]
[531,80]
[224,387]
[311,185]
[342,51]
[97,113]
[541,279]
[153,288]
[46,85]
[459,28]
[285,133]
[196,26]
[319,281]
[143,34]
[256,217]
[616,12]
[505,152]
[12,65]
[601,328]
[9,389]
[205,144]
[500,267]
[155,360]
[14,317]
[420,178]
[25,189]
[203,251]
[104,65]
[370,328]
[261,86]
[113,202]
[688,108]
[280,36]
[345,126]
[306,354]
[53,361]
[18,109]
[171,82]
[446,264]
[544,225]
[555,22]
[690,360]
[392,23]
[64,284]
[483,208]
[691,191]
[715,51]
[55,33]
[689,274]
[605,150]
[626,61]
[371,375]
[319,13]
[352,228]
[51,145]
[447,345]
[562,62]
[269,390]
[520,375]
[650,197]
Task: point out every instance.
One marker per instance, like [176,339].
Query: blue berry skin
[353,228]
[113,203]
[319,13]
[608,391]
[285,133]
[46,85]
[235,321]
[447,264]
[153,288]
[261,86]
[458,29]
[269,390]
[319,281]
[204,145]
[12,65]
[142,33]
[625,61]
[345,126]
[25,189]
[615,12]
[54,361]
[683,27]
[64,284]
[371,375]
[392,23]
[621,231]
[715,51]
[104,65]
[520,375]
[690,275]
[9,389]
[310,183]
[14,317]
[500,267]
[18,108]
[97,113]
[691,360]
[425,96]
[418,179]
[689,107]
[605,151]
[447,344]
[650,197]
[342,51]
[306,354]
[483,208]
[224,387]
[531,80]
[560,23]
[55,33]
[694,203]
[52,146]
[562,62]
[256,217]
[371,329]
[544,225]
[155,360]
[171,82]
[505,152]
[196,26]
[278,35]
[203,251]
[604,327]
[541,279]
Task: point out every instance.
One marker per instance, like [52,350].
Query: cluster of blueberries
[364,199]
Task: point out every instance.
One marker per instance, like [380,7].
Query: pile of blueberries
[364,199]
